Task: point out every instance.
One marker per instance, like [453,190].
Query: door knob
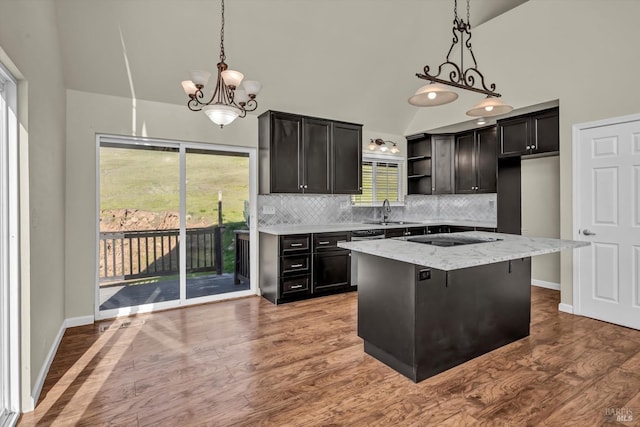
[588,232]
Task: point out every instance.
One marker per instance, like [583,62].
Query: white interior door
[607,188]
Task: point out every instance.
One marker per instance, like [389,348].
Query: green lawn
[148,181]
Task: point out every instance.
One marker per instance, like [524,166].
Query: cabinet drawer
[294,243]
[295,284]
[329,241]
[295,264]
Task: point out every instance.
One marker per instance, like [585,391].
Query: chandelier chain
[222,55]
[468,14]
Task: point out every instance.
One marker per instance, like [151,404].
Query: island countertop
[509,247]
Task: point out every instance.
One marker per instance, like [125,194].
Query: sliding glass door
[139,225]
[170,216]
[217,187]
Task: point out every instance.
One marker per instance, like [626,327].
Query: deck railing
[137,254]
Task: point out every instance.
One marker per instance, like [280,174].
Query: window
[381,179]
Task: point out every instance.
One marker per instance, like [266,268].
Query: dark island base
[422,321]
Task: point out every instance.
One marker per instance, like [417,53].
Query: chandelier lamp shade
[440,89]
[378,144]
[231,97]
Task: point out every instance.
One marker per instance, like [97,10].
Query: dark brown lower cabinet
[331,270]
[295,267]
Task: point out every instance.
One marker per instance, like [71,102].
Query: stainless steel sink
[390,222]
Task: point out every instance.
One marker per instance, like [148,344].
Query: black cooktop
[446,241]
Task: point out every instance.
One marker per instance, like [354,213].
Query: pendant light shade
[488,107]
[433,94]
[221,114]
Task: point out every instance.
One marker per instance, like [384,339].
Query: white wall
[541,211]
[29,38]
[581,52]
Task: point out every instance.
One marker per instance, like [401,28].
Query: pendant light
[489,107]
[433,94]
[470,78]
[231,98]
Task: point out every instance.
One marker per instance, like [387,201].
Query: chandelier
[437,91]
[229,100]
[381,145]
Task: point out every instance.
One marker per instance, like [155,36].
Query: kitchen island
[428,303]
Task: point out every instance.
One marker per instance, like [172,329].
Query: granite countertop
[285,229]
[455,257]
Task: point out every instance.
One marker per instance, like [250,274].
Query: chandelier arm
[485,91]
[194,104]
[251,105]
[454,40]
[454,76]
[468,45]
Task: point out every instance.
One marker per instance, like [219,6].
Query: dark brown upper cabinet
[531,134]
[476,161]
[346,158]
[299,154]
[430,164]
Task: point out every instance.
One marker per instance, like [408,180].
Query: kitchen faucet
[386,210]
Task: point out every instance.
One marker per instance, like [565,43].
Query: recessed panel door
[609,217]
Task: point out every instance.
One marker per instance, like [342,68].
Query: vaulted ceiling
[351,60]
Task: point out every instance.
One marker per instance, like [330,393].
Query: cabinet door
[347,159]
[442,164]
[514,137]
[546,132]
[316,156]
[509,196]
[286,152]
[486,160]
[465,169]
[331,270]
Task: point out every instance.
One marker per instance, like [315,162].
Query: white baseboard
[72,322]
[565,308]
[42,376]
[543,284]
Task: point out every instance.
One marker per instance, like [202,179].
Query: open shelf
[418,158]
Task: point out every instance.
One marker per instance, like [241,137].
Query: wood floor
[247,362]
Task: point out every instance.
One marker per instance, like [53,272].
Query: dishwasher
[360,235]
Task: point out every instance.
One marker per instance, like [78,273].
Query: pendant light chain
[468,14]
[222,55]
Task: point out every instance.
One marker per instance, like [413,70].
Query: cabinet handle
[533,147]
[296,265]
[323,243]
[528,147]
[296,286]
[296,245]
[305,186]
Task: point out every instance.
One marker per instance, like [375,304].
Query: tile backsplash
[277,209]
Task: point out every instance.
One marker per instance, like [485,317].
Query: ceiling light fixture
[437,93]
[229,100]
[379,144]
